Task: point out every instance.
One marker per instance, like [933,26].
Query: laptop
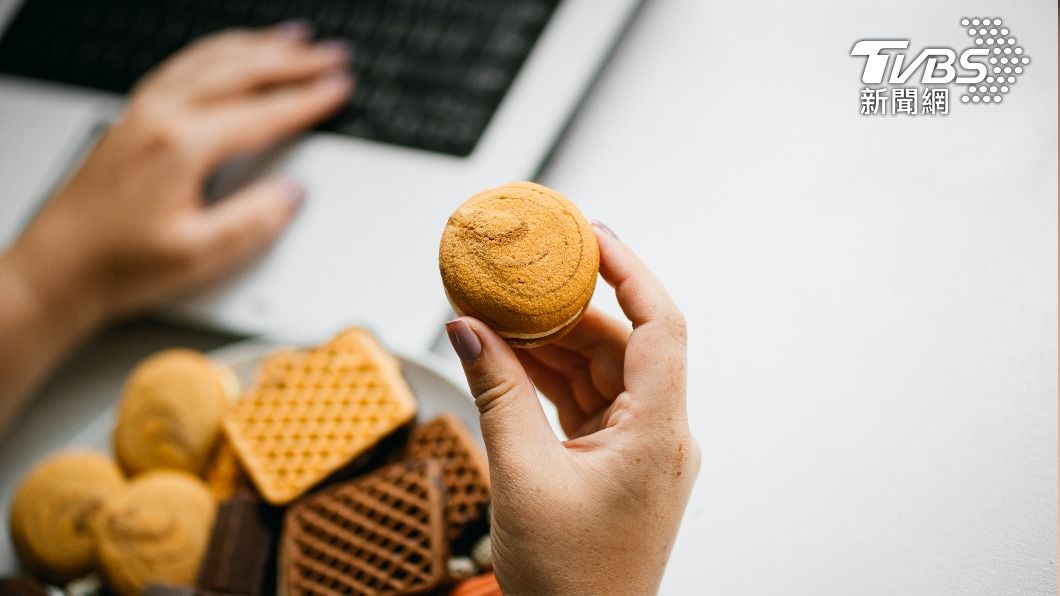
[452,96]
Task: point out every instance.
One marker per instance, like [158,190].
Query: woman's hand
[598,513]
[131,227]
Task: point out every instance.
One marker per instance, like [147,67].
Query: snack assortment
[317,479]
[522,259]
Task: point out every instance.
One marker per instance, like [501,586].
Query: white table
[872,301]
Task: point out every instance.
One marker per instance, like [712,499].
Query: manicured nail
[603,228]
[465,343]
[294,192]
[336,49]
[338,78]
[295,30]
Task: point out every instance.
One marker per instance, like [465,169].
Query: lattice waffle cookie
[312,412]
[465,472]
[378,534]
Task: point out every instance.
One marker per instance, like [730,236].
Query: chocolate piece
[379,534]
[241,544]
[22,586]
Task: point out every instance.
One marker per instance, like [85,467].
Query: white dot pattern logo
[989,32]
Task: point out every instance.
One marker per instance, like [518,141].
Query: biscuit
[464,469]
[223,475]
[311,413]
[170,412]
[155,532]
[52,512]
[379,534]
[522,259]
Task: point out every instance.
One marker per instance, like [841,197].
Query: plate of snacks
[263,468]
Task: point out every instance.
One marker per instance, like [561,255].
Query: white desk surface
[872,301]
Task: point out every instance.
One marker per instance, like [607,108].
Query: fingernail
[605,229]
[294,192]
[465,343]
[336,49]
[339,78]
[295,30]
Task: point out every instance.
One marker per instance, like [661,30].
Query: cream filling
[544,333]
[511,334]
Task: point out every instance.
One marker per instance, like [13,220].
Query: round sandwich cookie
[170,412]
[52,512]
[156,531]
[522,259]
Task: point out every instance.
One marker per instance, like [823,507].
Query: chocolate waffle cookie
[379,534]
[464,469]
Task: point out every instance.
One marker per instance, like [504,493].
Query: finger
[576,369]
[250,125]
[556,388]
[180,76]
[273,62]
[243,225]
[639,293]
[655,356]
[516,432]
[596,335]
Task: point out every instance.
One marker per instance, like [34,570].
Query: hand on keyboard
[131,227]
[134,226]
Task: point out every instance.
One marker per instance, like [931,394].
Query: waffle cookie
[465,472]
[312,412]
[379,534]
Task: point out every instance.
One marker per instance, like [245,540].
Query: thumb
[243,225]
[514,426]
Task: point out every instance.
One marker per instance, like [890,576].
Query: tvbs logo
[939,64]
[989,67]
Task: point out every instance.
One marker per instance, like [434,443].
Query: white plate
[437,386]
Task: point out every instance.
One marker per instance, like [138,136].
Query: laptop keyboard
[430,73]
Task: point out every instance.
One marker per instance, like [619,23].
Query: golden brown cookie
[223,475]
[522,259]
[52,512]
[312,412]
[156,531]
[170,412]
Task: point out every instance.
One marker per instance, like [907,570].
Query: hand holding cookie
[596,513]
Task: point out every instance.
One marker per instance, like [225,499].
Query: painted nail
[336,49]
[339,79]
[605,229]
[465,343]
[295,30]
